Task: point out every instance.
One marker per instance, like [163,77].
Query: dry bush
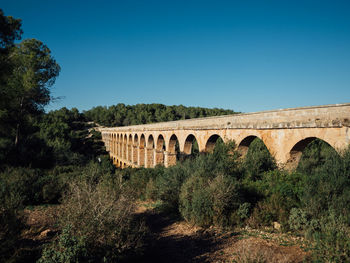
[226,196]
[103,215]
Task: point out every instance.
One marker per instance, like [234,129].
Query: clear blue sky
[241,55]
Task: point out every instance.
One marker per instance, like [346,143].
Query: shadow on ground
[163,247]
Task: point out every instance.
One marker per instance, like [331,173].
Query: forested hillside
[124,115]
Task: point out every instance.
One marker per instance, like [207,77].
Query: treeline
[124,115]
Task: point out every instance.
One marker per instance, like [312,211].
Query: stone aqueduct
[285,133]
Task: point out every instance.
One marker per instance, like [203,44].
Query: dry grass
[257,250]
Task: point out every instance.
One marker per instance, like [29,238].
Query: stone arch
[142,147]
[189,144]
[172,151]
[150,151]
[159,151]
[135,149]
[121,146]
[130,148]
[210,144]
[118,146]
[112,143]
[172,143]
[125,145]
[115,144]
[150,141]
[296,151]
[160,145]
[243,146]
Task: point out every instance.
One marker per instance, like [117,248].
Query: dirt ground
[174,240]
[177,241]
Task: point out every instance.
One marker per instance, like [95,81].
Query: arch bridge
[285,133]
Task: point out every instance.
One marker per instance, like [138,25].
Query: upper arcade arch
[189,143]
[160,145]
[130,148]
[172,150]
[142,147]
[297,150]
[150,141]
[211,142]
[150,151]
[159,150]
[244,144]
[125,147]
[135,150]
[118,145]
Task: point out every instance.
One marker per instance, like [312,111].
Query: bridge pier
[141,161]
[134,155]
[149,158]
[169,159]
[158,157]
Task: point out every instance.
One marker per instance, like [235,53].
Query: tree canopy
[27,71]
[124,115]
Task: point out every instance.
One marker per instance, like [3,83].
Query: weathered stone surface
[284,132]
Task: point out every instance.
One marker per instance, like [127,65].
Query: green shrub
[263,214]
[332,239]
[227,197]
[151,191]
[298,219]
[68,248]
[10,224]
[243,212]
[138,179]
[169,185]
[205,201]
[258,160]
[196,202]
[328,188]
[277,192]
[102,215]
[25,183]
[316,156]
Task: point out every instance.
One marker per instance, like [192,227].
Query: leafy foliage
[124,115]
[68,248]
[258,160]
[27,71]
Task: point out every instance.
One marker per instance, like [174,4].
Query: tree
[27,70]
[10,30]
[34,72]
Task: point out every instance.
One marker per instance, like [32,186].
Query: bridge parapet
[337,115]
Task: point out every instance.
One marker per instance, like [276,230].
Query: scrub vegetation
[56,161]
